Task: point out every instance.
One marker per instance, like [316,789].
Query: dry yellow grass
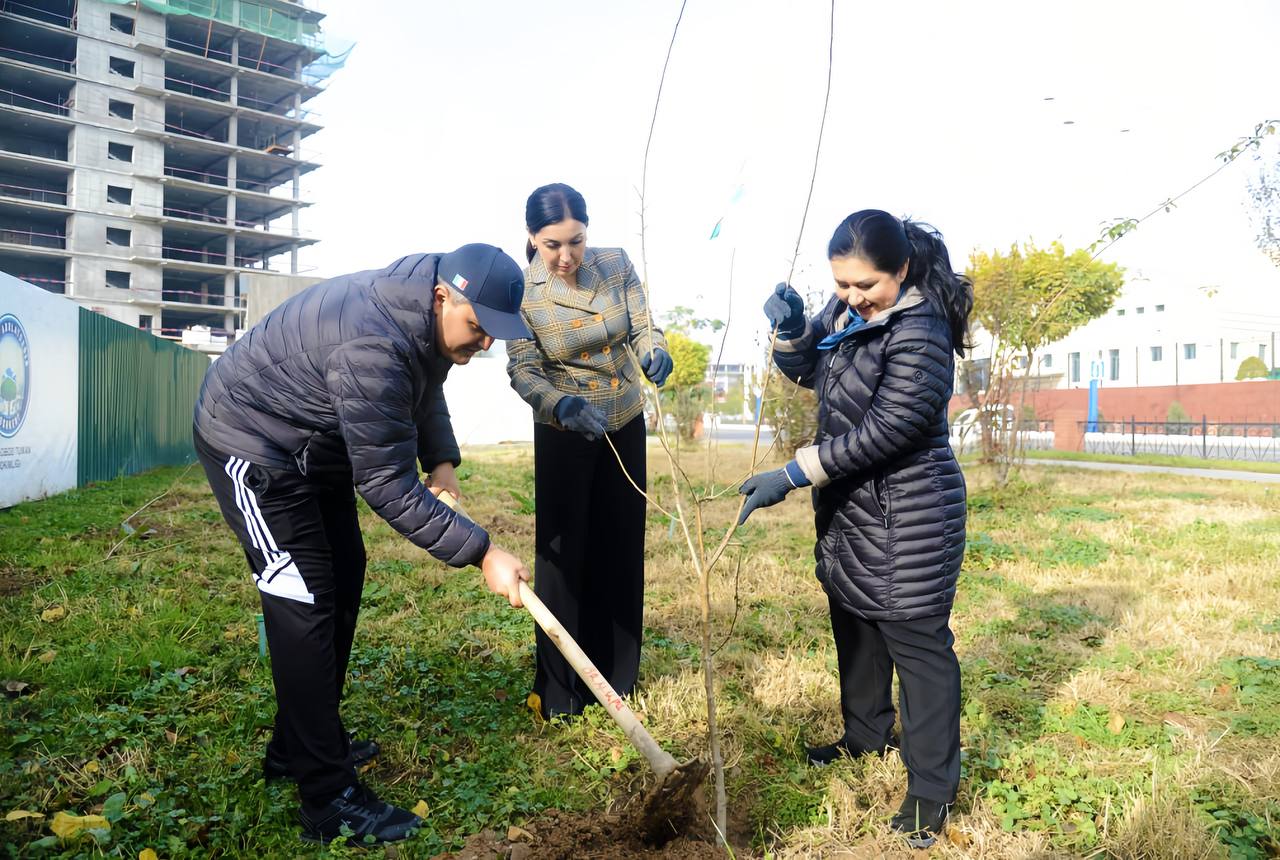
[1178,591]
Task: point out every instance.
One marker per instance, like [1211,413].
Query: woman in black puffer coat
[888,492]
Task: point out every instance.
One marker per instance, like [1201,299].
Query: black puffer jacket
[343,381]
[888,493]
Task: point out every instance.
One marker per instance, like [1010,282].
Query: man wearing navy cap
[340,390]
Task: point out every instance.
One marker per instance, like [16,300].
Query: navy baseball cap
[493,284]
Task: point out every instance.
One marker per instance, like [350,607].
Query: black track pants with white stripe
[302,540]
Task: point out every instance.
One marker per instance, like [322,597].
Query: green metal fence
[137,393]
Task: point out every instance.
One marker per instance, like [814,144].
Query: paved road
[742,433]
[1219,474]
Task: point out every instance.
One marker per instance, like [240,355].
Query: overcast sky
[998,122]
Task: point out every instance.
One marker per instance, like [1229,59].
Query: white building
[1155,335]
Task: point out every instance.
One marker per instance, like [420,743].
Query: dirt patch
[15,580]
[584,836]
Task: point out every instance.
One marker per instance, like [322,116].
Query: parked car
[966,423]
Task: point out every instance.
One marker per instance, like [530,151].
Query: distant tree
[1177,419]
[687,390]
[1025,300]
[1252,368]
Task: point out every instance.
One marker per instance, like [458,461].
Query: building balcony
[48,103]
[44,268]
[43,196]
[58,13]
[34,240]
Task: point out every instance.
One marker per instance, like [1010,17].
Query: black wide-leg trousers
[589,567]
[302,540]
[920,650]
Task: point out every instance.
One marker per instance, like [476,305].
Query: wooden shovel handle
[659,759]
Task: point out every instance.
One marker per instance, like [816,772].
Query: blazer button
[593,385]
[607,350]
[599,317]
[577,323]
[613,383]
[586,355]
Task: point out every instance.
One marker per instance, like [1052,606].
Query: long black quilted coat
[343,381]
[889,496]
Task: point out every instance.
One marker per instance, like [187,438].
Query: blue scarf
[856,322]
[834,339]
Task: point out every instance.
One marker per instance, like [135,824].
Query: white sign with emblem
[39,385]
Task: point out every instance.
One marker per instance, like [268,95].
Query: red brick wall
[1255,400]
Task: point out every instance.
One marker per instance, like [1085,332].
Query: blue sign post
[1095,382]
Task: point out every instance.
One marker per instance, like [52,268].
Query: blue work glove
[657,366]
[785,310]
[575,413]
[769,488]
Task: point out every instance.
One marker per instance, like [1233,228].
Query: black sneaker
[362,752]
[358,815]
[921,821]
[821,756]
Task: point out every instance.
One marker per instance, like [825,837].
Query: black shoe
[821,756]
[921,821]
[358,815]
[362,752]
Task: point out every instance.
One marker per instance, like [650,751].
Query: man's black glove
[575,413]
[769,488]
[785,310]
[657,365]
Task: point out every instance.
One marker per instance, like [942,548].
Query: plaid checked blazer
[580,337]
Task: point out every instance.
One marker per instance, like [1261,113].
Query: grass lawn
[1119,637]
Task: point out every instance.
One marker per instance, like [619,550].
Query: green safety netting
[261,18]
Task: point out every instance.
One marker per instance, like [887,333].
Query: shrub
[1252,368]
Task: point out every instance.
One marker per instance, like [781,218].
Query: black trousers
[928,694]
[302,540]
[589,569]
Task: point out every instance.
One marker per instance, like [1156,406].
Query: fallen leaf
[518,834]
[1116,724]
[232,757]
[92,767]
[1177,720]
[53,613]
[500,695]
[147,854]
[421,809]
[171,735]
[185,670]
[14,689]
[68,826]
[958,837]
[615,753]
[133,612]
[1224,689]
[47,657]
[19,814]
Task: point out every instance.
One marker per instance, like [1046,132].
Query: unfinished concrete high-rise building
[151,151]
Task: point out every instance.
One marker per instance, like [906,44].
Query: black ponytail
[930,272]
[886,243]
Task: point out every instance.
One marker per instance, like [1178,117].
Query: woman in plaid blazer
[593,340]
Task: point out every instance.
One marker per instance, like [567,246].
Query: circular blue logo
[15,375]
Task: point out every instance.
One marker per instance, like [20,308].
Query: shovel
[671,801]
